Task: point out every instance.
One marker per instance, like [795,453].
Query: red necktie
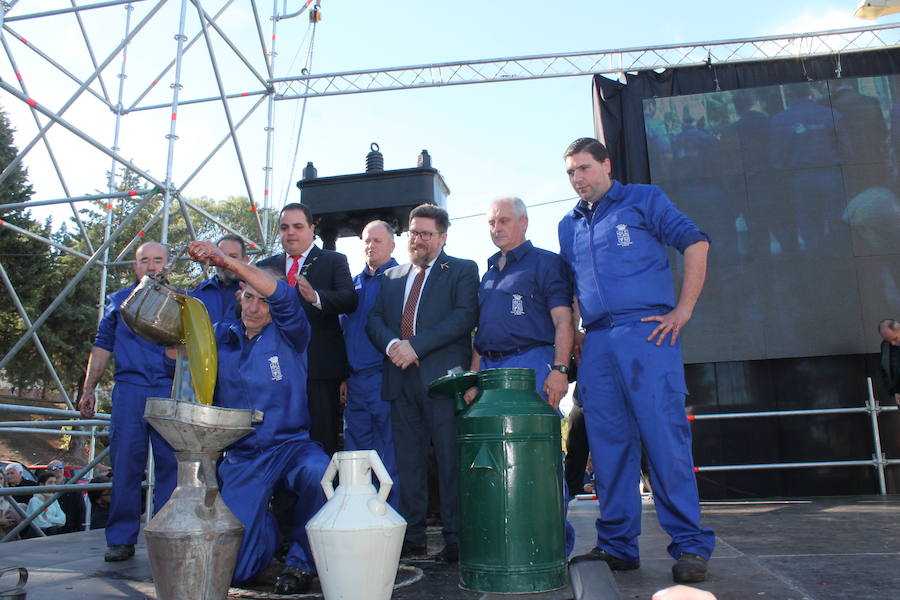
[407,322]
[292,272]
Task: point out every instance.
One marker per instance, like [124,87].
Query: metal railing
[70,485]
[872,408]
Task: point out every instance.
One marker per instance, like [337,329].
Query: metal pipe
[50,412]
[37,341]
[50,153]
[199,100]
[784,413]
[228,117]
[171,64]
[57,117]
[180,38]
[75,9]
[57,65]
[204,15]
[90,48]
[40,238]
[111,181]
[40,489]
[74,432]
[794,465]
[54,423]
[873,407]
[218,146]
[60,298]
[73,199]
[27,521]
[270,132]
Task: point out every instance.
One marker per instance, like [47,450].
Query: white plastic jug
[356,537]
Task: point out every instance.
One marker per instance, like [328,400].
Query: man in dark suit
[422,320]
[322,278]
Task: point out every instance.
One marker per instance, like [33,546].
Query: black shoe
[690,568]
[449,555]
[119,553]
[615,563]
[410,550]
[293,580]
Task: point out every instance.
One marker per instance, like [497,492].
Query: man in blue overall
[631,377]
[142,371]
[262,366]
[525,310]
[367,416]
[219,293]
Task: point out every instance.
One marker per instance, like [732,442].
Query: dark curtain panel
[621,109]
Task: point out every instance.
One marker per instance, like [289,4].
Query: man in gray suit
[423,320]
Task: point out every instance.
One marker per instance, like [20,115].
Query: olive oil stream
[200,345]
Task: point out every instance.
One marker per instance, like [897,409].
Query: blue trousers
[539,360]
[128,436]
[367,423]
[633,391]
[246,484]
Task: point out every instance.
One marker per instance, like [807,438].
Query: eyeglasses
[422,235]
[57,468]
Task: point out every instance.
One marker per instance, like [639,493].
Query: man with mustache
[422,321]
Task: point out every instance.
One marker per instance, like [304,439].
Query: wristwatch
[561,368]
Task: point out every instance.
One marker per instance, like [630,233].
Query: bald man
[142,371]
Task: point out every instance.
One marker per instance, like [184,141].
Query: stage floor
[819,549]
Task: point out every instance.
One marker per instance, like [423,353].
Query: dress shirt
[289,260]
[409,283]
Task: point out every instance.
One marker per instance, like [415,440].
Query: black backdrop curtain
[621,108]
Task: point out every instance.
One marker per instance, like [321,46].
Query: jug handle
[328,478]
[23,578]
[385,483]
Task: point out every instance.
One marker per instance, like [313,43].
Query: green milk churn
[512,533]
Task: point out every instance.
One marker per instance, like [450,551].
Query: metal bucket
[18,591]
[153,312]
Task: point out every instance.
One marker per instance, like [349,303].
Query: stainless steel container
[153,312]
[193,541]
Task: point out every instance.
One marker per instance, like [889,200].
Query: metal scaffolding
[238,63]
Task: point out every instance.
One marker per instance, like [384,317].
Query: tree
[25,261]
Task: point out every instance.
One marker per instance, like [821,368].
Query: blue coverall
[268,373]
[219,299]
[142,371]
[514,318]
[367,416]
[633,390]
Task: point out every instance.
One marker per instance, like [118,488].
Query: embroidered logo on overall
[623,238]
[275,367]
[518,307]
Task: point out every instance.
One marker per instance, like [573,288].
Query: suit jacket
[329,274]
[448,312]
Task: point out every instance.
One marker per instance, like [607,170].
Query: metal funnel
[191,427]
[193,540]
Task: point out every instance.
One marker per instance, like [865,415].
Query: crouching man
[262,366]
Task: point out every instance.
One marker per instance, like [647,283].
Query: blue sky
[487,140]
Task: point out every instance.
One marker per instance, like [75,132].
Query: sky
[487,140]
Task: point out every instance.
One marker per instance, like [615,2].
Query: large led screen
[798,187]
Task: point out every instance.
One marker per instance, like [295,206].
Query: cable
[481,214]
[306,70]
